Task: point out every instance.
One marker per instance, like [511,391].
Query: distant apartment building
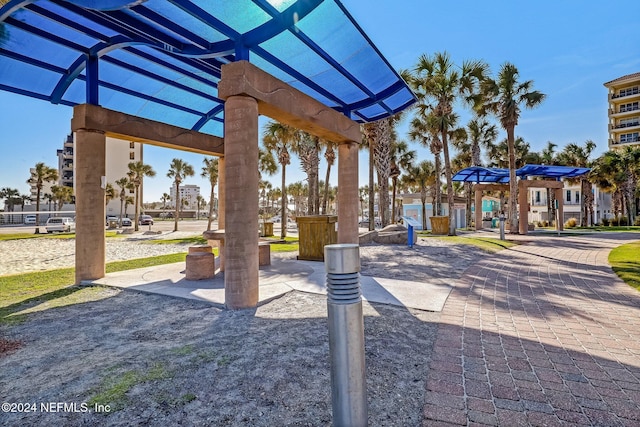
[188,195]
[624,110]
[119,154]
[572,202]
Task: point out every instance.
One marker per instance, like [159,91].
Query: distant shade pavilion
[498,175]
[162,60]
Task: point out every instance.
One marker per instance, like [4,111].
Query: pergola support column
[241,202]
[222,185]
[478,206]
[347,193]
[560,219]
[90,171]
[523,207]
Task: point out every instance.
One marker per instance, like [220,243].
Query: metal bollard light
[346,335]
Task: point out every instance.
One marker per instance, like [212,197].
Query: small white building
[572,199]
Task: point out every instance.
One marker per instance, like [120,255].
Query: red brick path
[541,334]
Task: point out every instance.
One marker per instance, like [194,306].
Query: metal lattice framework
[497,175]
[161,59]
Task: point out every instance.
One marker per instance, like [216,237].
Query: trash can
[315,232]
[439,225]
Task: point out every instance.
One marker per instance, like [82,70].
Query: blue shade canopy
[496,175]
[161,59]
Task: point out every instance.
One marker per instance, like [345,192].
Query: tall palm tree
[39,175]
[308,150]
[504,97]
[137,172]
[124,184]
[379,136]
[401,160]
[422,176]
[438,84]
[179,170]
[330,157]
[210,171]
[423,129]
[280,138]
[579,156]
[164,199]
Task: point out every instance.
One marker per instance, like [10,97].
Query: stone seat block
[200,248]
[264,254]
[200,265]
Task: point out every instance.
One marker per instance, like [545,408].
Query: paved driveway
[542,334]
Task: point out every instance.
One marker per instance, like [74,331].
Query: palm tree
[308,150]
[438,84]
[401,160]
[210,171]
[422,176]
[61,195]
[178,170]
[330,157]
[109,193]
[423,130]
[280,138]
[39,175]
[577,155]
[137,172]
[379,136]
[124,185]
[504,98]
[164,199]
[618,171]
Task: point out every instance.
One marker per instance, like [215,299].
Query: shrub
[624,221]
[615,222]
[571,223]
[637,221]
[545,223]
[605,221]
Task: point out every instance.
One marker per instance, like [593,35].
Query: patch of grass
[20,236]
[625,263]
[192,240]
[485,243]
[184,350]
[29,292]
[618,228]
[113,390]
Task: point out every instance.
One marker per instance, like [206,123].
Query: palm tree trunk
[210,219]
[448,176]
[469,194]
[394,180]
[423,199]
[513,184]
[177,215]
[38,188]
[136,211]
[437,205]
[283,205]
[325,197]
[371,192]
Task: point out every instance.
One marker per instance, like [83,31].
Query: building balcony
[632,141]
[624,112]
[625,127]
[626,97]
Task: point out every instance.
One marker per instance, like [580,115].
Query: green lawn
[485,243]
[625,262]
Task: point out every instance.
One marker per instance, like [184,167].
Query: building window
[132,155]
[630,137]
[568,197]
[132,145]
[633,121]
[577,197]
[631,106]
[629,91]
[537,197]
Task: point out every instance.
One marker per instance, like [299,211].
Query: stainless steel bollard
[346,335]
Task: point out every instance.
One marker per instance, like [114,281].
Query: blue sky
[569,48]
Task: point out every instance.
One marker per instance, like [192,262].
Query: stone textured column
[523,203]
[221,207]
[478,206]
[241,202]
[90,170]
[348,193]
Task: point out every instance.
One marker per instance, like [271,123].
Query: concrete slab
[282,276]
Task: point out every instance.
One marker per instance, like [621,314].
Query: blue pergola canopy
[497,175]
[161,59]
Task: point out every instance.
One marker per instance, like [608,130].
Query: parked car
[111,218]
[365,223]
[126,222]
[29,219]
[60,224]
[145,220]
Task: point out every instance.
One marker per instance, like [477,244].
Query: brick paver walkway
[541,334]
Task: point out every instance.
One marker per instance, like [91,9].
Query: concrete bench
[200,263]
[216,238]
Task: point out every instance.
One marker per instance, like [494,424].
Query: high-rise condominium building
[624,110]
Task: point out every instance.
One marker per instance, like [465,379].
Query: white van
[29,219]
[60,224]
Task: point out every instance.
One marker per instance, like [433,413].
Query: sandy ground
[180,362]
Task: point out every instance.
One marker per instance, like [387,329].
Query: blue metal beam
[211,115]
[92,80]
